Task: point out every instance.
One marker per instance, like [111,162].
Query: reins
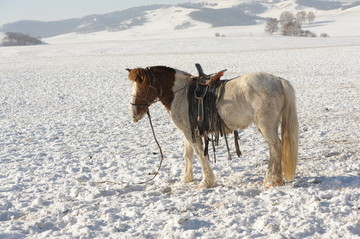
[153,79]
[143,182]
[161,153]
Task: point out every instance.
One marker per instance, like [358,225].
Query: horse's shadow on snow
[329,182]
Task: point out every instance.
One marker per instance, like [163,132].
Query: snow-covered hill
[2,35]
[208,14]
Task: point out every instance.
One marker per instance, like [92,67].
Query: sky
[49,10]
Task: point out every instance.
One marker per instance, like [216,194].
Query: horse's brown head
[144,91]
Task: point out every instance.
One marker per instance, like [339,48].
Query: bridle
[152,80]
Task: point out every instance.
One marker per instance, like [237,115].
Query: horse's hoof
[273,183]
[187,179]
[206,184]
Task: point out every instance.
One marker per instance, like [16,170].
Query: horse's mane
[144,72]
[164,68]
[169,70]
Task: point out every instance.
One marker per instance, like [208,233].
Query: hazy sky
[48,10]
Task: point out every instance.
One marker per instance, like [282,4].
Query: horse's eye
[139,80]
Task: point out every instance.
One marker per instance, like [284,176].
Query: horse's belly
[235,118]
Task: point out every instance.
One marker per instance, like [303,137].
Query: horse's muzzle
[134,119]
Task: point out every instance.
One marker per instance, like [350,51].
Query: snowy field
[65,129]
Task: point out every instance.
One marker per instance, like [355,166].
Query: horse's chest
[178,113]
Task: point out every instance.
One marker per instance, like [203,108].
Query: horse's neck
[181,82]
[171,86]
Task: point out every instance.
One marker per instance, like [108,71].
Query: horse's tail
[289,133]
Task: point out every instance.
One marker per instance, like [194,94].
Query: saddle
[207,86]
[203,94]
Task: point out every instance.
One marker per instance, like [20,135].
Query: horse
[260,98]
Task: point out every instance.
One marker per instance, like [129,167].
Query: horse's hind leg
[273,175]
[188,157]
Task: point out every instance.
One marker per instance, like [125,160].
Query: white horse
[260,98]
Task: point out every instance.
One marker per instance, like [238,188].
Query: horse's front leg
[208,179]
[188,175]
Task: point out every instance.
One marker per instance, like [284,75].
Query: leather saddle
[203,85]
[203,94]
[205,81]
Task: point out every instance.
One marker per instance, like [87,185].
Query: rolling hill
[208,14]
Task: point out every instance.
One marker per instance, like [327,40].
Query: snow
[163,24]
[343,25]
[335,22]
[2,35]
[72,159]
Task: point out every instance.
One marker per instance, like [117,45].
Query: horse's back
[259,81]
[247,96]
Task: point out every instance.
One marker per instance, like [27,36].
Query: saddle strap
[236,138]
[200,116]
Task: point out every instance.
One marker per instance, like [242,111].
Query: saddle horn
[200,70]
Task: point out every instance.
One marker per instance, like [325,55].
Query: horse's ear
[130,75]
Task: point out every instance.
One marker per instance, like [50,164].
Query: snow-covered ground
[71,159]
[65,126]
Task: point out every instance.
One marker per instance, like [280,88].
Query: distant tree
[291,28]
[182,26]
[286,18]
[291,25]
[310,17]
[324,35]
[301,17]
[19,39]
[217,34]
[271,25]
[307,33]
